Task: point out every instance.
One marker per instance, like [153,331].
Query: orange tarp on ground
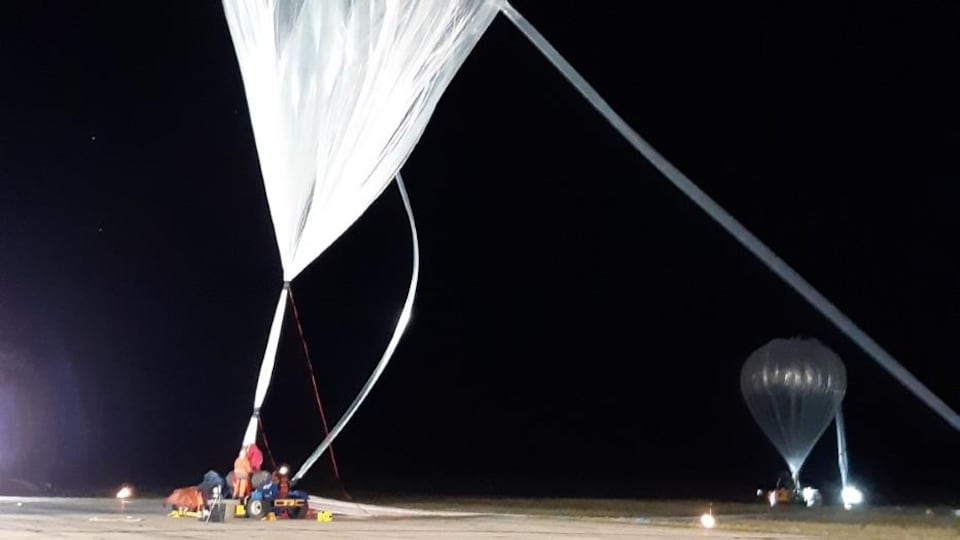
[185,498]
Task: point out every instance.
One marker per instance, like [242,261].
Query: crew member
[282,479]
[241,475]
[254,456]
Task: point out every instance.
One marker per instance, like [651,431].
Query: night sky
[580,324]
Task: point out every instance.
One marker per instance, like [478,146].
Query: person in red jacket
[254,456]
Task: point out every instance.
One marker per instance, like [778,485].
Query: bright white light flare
[851,497]
[809,495]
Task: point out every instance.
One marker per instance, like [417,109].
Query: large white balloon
[793,388]
[339,93]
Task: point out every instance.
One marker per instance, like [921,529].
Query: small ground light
[851,497]
[809,495]
[708,521]
[124,494]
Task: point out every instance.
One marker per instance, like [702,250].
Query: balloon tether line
[266,443]
[313,381]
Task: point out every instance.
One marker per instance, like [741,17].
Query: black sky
[580,325]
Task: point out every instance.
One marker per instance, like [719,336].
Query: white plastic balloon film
[843,461]
[339,93]
[793,389]
[266,366]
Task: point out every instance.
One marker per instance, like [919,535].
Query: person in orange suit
[241,475]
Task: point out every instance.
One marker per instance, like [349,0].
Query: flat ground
[23,518]
[879,523]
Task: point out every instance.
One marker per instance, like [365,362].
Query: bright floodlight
[284,470]
[125,493]
[809,495]
[708,521]
[851,496]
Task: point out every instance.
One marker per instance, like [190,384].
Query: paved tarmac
[43,518]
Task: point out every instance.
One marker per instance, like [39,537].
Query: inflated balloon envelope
[794,389]
[339,93]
